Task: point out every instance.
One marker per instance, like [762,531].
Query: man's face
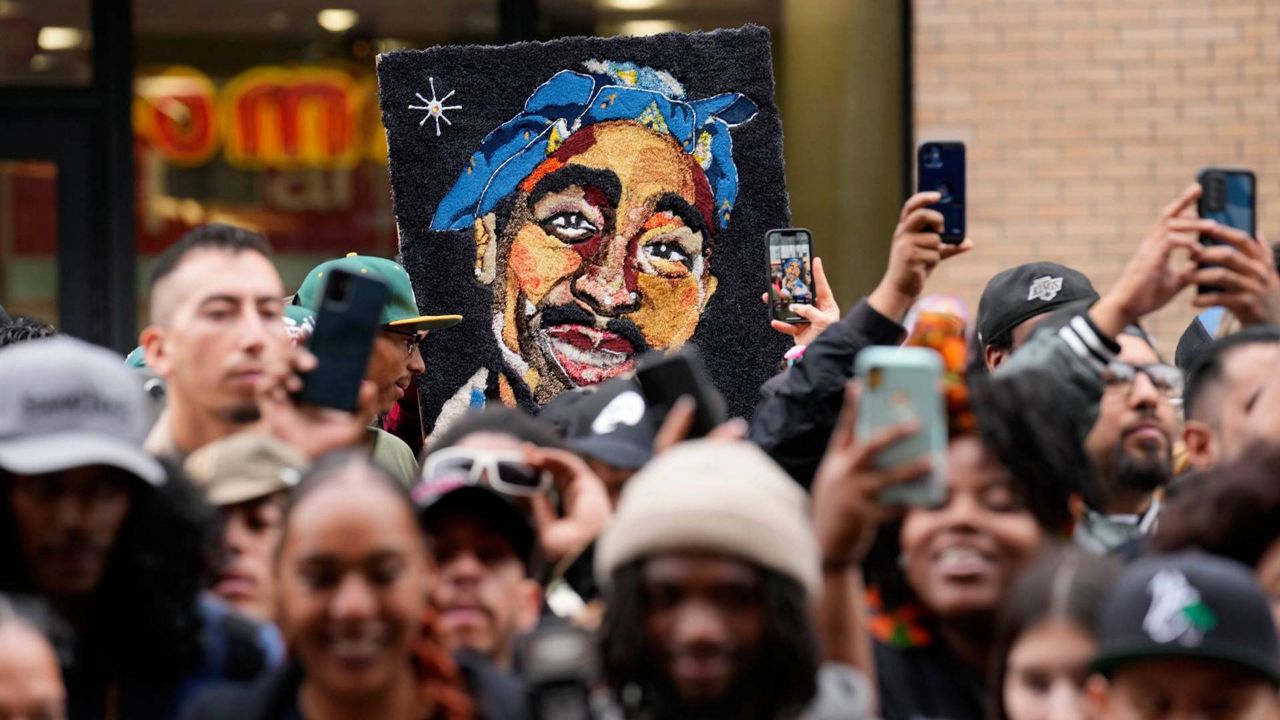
[1131,444]
[394,363]
[704,623]
[606,255]
[484,599]
[67,523]
[1184,688]
[217,328]
[1217,433]
[249,538]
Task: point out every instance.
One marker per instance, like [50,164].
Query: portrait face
[352,577]
[484,600]
[604,254]
[218,328]
[962,556]
[1131,444]
[248,540]
[67,524]
[1218,432]
[704,621]
[1164,689]
[1048,666]
[394,363]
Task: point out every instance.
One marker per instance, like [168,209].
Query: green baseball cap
[401,310]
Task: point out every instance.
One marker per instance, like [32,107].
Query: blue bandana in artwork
[570,101]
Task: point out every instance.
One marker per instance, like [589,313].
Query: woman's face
[1047,669]
[962,556]
[353,578]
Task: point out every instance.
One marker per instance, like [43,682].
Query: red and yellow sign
[265,118]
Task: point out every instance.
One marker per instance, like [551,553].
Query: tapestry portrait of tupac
[584,201]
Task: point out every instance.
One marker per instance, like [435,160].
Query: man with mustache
[593,214]
[1130,447]
[217,329]
[709,568]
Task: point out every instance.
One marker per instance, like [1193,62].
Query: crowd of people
[184,538]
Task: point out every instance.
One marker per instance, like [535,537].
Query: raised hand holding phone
[790,273]
[848,487]
[941,169]
[903,385]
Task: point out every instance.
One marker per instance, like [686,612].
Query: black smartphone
[559,670]
[346,325]
[664,378]
[940,168]
[790,272]
[1227,197]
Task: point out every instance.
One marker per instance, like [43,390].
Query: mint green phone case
[900,384]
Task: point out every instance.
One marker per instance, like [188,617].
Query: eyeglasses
[505,471]
[1166,378]
[411,340]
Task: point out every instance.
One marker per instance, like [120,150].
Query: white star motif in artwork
[435,107]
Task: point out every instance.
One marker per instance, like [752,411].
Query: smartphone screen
[790,272]
[941,169]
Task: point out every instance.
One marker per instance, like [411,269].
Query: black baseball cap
[1190,605]
[611,423]
[441,499]
[1020,293]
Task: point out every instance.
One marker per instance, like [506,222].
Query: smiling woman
[352,573]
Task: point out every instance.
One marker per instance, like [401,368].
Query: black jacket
[497,695]
[794,420]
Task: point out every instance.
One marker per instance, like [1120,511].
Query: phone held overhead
[940,168]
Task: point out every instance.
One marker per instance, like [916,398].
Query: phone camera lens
[932,156]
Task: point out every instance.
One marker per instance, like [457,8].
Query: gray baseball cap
[65,404]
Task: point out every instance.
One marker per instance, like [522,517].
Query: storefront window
[29,239]
[266,114]
[45,43]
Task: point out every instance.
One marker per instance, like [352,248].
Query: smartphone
[1229,198]
[346,325]
[664,378]
[559,669]
[790,272]
[900,384]
[940,168]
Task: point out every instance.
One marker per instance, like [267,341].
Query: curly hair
[788,654]
[1041,448]
[440,682]
[22,328]
[1232,509]
[144,620]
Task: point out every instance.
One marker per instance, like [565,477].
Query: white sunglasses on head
[505,470]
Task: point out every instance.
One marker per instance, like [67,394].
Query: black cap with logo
[1191,605]
[611,423]
[1020,293]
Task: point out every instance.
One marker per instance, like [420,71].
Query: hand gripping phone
[790,272]
[901,384]
[940,168]
[346,325]
[1227,197]
[664,378]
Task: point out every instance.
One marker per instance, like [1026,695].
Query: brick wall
[1084,117]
